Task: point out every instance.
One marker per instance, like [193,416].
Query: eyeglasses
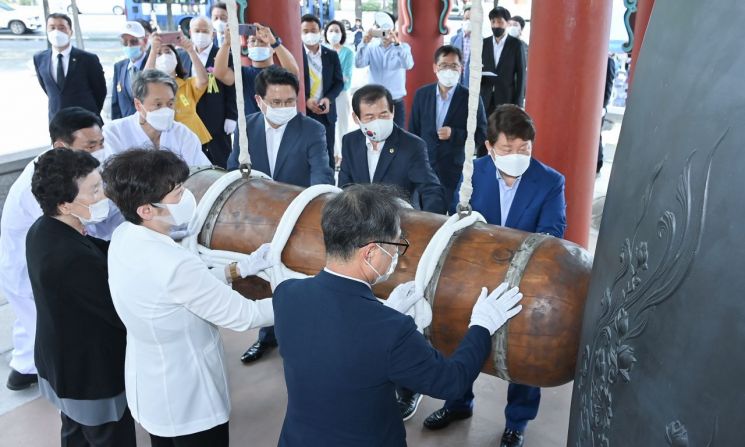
[455,67]
[400,246]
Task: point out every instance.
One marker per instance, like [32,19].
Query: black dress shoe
[444,416]
[19,381]
[408,406]
[511,438]
[257,350]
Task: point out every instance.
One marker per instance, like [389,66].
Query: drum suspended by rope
[538,347]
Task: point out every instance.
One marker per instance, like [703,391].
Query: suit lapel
[287,143]
[257,147]
[387,154]
[125,80]
[326,73]
[45,69]
[74,55]
[488,55]
[524,196]
[455,103]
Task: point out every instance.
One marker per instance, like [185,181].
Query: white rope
[244,158]
[422,310]
[474,85]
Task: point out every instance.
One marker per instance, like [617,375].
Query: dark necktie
[60,72]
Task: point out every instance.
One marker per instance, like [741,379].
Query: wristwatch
[277,43]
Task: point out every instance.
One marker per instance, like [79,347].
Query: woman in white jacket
[172,304]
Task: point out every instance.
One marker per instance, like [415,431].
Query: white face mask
[311,39]
[219,26]
[391,268]
[448,78]
[513,165]
[161,119]
[58,39]
[99,211]
[377,130]
[180,213]
[279,115]
[514,31]
[201,40]
[259,54]
[466,26]
[166,62]
[333,37]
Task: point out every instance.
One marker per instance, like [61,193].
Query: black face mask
[498,32]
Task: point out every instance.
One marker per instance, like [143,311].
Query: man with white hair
[217,108]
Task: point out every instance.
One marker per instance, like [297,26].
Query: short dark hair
[219,5]
[369,94]
[310,18]
[275,76]
[141,176]
[447,50]
[341,27]
[358,215]
[519,20]
[59,15]
[70,120]
[500,11]
[512,121]
[146,25]
[55,177]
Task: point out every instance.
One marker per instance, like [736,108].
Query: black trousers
[218,150]
[112,434]
[214,437]
[330,134]
[399,113]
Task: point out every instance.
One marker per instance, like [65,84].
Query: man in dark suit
[512,189]
[134,45]
[439,115]
[382,152]
[502,55]
[323,79]
[344,351]
[69,76]
[286,145]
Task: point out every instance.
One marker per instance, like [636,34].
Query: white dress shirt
[172,305]
[203,56]
[498,47]
[315,68]
[326,269]
[373,156]
[506,196]
[65,61]
[126,133]
[442,105]
[273,141]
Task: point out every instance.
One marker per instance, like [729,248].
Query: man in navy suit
[382,152]
[340,345]
[69,76]
[134,45]
[286,145]
[439,115]
[513,190]
[217,108]
[323,79]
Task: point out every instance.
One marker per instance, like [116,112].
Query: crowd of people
[108,304]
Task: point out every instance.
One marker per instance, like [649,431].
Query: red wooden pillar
[283,17]
[422,27]
[566,74]
[643,12]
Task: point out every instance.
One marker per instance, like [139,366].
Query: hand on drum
[256,262]
[492,311]
[403,297]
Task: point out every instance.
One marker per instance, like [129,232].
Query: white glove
[230,126]
[256,262]
[403,297]
[491,312]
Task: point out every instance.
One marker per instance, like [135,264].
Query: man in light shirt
[388,59]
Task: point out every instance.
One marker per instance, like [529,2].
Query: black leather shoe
[19,381]
[408,406]
[511,438]
[444,416]
[257,350]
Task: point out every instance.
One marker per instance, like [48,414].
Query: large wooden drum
[538,347]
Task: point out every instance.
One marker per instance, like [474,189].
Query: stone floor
[259,397]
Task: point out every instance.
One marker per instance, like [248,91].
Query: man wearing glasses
[439,115]
[286,145]
[344,352]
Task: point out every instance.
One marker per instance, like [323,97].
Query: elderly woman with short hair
[153,125]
